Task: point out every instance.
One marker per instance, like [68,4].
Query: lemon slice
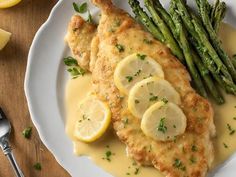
[8,3]
[163,121]
[94,119]
[133,69]
[147,92]
[4,38]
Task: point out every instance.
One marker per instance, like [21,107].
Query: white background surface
[45,83]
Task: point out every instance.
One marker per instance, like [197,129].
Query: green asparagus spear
[187,51]
[146,21]
[210,9]
[218,16]
[221,80]
[166,17]
[202,69]
[169,39]
[197,31]
[214,91]
[215,41]
[228,85]
[214,9]
[209,48]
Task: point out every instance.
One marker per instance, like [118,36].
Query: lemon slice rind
[132,69]
[163,121]
[94,119]
[147,92]
[8,3]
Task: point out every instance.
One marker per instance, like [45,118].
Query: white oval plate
[45,84]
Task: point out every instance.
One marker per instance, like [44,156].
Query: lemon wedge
[4,38]
[133,69]
[94,119]
[8,3]
[147,92]
[163,121]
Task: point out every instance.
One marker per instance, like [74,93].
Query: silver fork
[5,130]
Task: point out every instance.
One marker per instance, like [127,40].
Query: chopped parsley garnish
[120,47]
[76,71]
[193,160]
[129,78]
[138,72]
[73,68]
[75,29]
[234,118]
[194,148]
[80,8]
[178,164]
[164,100]
[90,18]
[108,155]
[27,132]
[161,127]
[147,41]
[70,61]
[137,101]
[136,171]
[84,117]
[153,97]
[125,121]
[174,126]
[141,57]
[225,146]
[37,166]
[231,131]
[117,22]
[127,173]
[115,25]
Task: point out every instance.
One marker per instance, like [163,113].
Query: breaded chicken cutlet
[172,158]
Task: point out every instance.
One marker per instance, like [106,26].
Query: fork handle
[11,158]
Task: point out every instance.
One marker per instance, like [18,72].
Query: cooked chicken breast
[190,154]
[79,37]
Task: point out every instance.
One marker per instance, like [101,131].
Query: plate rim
[27,88]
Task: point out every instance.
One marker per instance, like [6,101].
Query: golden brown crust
[191,154]
[79,37]
[198,110]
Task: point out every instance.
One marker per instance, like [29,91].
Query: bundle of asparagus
[193,40]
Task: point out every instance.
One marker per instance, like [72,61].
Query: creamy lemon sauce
[110,154]
[224,143]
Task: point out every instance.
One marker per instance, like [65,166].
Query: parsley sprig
[162,127]
[27,132]
[37,166]
[80,8]
[73,67]
[178,164]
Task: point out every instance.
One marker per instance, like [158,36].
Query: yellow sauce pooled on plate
[110,154]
